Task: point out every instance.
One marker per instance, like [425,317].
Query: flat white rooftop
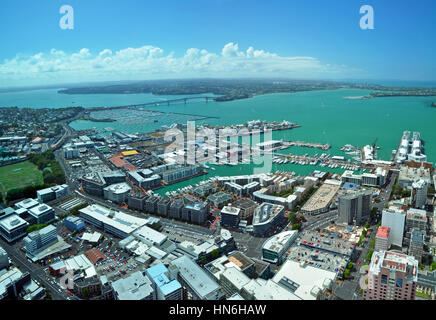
[308,279]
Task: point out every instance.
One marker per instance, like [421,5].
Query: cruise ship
[410,148]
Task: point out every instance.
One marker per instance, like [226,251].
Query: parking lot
[117,264]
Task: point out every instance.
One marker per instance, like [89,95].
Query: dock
[325,146]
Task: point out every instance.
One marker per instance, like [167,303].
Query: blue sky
[173,38]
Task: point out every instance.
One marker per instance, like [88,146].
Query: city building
[180,173]
[261,289]
[92,288]
[416,246]
[427,283]
[94,182]
[395,220]
[247,207]
[230,216]
[274,249]
[137,286]
[176,207]
[236,260]
[392,275]
[15,284]
[164,287]
[74,223]
[114,222]
[145,178]
[220,199]
[117,192]
[288,203]
[419,193]
[27,204]
[411,173]
[52,193]
[303,280]
[382,238]
[195,212]
[232,280]
[150,236]
[321,200]
[136,201]
[42,214]
[12,227]
[151,204]
[37,241]
[416,218]
[163,206]
[196,283]
[354,207]
[266,217]
[70,152]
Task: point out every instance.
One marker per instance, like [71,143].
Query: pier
[307,144]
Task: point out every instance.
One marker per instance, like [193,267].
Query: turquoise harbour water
[325,116]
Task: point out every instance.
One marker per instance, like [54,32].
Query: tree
[85,292]
[346,273]
[296,226]
[203,259]
[292,218]
[374,212]
[369,255]
[75,210]
[214,253]
[350,265]
[367,225]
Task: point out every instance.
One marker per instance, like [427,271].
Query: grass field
[19,175]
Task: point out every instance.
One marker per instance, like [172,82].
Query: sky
[145,39]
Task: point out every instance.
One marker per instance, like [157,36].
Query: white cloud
[150,62]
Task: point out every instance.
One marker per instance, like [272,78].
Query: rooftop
[117,219]
[135,287]
[395,261]
[303,280]
[11,222]
[383,232]
[322,197]
[266,212]
[196,277]
[277,242]
[230,210]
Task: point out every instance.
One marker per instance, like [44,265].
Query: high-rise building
[416,246]
[230,216]
[354,207]
[392,275]
[416,218]
[419,193]
[395,220]
[382,239]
